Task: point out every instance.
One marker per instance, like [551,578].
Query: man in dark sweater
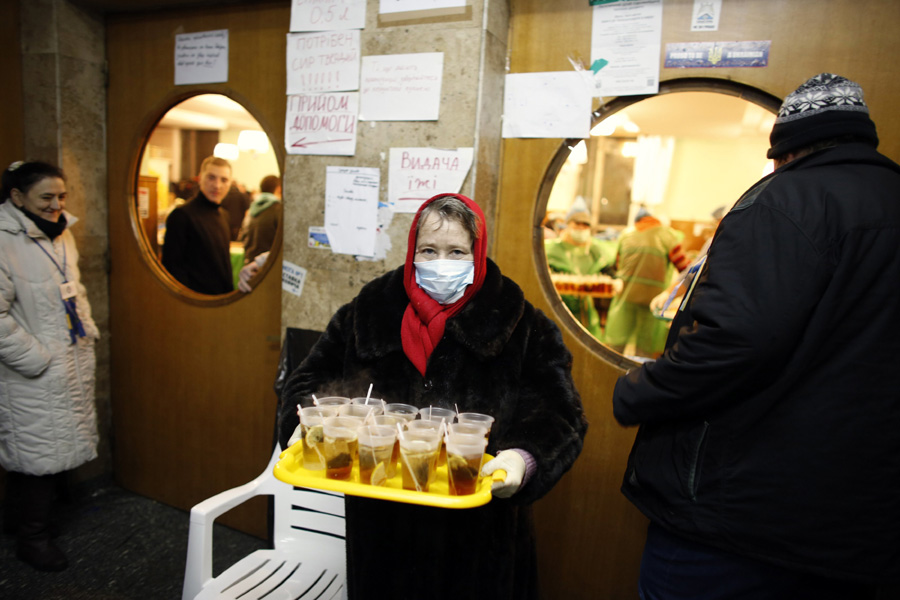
[196,247]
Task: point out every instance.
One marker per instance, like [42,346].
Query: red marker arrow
[300,144]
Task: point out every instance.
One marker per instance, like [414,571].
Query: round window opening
[622,214]
[208,196]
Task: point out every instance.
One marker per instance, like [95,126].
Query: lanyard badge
[72,320]
[67,290]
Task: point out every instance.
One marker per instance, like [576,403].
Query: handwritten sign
[321,123]
[201,57]
[401,87]
[395,6]
[546,105]
[351,209]
[326,15]
[417,174]
[327,61]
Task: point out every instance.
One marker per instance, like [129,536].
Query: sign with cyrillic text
[326,61]
[326,15]
[321,123]
[401,87]
[201,57]
[417,174]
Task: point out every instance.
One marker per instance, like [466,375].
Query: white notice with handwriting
[201,57]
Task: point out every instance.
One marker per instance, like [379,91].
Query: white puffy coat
[48,420]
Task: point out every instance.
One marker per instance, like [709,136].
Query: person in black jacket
[768,458]
[196,248]
[466,339]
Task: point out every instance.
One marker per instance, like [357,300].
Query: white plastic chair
[309,559]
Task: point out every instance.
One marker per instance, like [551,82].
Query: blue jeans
[673,568]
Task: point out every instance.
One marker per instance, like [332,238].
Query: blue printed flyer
[693,55]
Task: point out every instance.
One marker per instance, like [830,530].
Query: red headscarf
[424,319]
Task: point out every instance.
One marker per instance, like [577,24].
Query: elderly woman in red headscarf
[449,330]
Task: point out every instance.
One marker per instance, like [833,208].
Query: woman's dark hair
[22,175]
[453,209]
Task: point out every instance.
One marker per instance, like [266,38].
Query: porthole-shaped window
[653,179]
[207,197]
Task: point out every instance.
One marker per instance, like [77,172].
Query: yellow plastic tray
[289,469]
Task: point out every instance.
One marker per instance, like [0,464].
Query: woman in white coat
[47,413]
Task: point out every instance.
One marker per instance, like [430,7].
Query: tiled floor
[120,547]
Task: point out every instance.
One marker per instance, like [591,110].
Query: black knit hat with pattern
[825,106]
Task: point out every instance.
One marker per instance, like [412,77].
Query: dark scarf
[51,230]
[424,320]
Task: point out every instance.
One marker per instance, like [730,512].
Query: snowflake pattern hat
[825,106]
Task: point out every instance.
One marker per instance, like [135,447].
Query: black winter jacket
[771,425]
[500,356]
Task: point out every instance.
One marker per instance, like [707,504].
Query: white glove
[249,272]
[514,465]
[656,305]
[618,285]
[295,437]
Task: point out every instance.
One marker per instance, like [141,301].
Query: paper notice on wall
[626,39]
[327,61]
[201,57]
[317,238]
[401,87]
[546,105]
[396,6]
[292,278]
[417,174]
[351,209]
[321,123]
[326,15]
[705,16]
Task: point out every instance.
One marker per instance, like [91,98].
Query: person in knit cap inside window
[768,460]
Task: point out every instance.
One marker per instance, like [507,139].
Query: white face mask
[445,280]
[580,236]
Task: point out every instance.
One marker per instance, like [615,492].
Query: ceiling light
[578,155]
[604,127]
[253,141]
[226,151]
[630,149]
[630,126]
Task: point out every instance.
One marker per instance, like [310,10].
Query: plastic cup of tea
[332,401]
[418,452]
[478,419]
[376,444]
[467,428]
[391,421]
[377,404]
[437,427]
[358,411]
[465,453]
[407,411]
[340,446]
[312,421]
[433,413]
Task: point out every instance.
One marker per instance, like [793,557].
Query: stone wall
[64,93]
